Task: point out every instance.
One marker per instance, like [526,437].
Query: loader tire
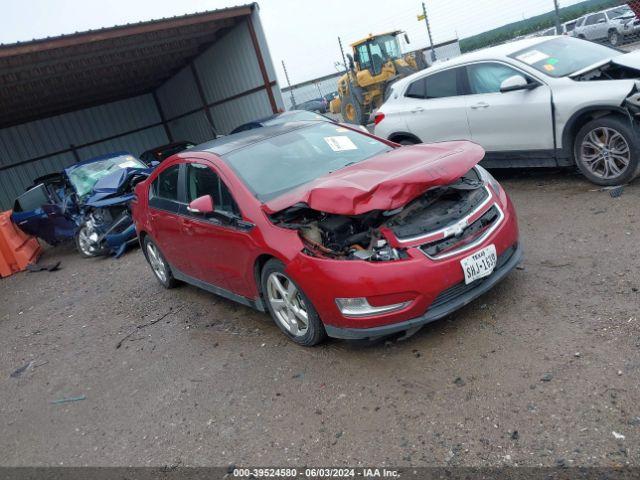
[352,111]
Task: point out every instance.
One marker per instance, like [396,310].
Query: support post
[163,119]
[558,24]
[286,75]
[203,99]
[426,21]
[261,64]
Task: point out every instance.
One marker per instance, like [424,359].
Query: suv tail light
[378,118]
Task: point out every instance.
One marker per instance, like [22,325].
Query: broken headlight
[488,178]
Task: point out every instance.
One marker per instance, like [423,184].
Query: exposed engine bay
[359,237]
[609,71]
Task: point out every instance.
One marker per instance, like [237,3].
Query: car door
[435,109]
[220,245]
[595,26]
[165,209]
[512,121]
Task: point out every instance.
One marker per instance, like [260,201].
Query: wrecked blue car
[88,202]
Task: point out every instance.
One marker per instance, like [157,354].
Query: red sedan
[332,231]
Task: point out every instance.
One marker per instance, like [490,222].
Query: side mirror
[515,83]
[154,163]
[202,205]
[602,20]
[406,39]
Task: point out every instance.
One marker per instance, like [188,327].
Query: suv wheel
[289,306]
[159,265]
[614,38]
[607,151]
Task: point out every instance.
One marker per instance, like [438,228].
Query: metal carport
[130,87]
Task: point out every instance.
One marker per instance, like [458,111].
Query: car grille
[470,233]
[461,288]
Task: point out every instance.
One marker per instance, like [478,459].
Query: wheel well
[399,136]
[257,270]
[580,120]
[141,238]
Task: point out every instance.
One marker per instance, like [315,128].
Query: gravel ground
[542,370]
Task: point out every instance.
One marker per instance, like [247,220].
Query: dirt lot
[541,371]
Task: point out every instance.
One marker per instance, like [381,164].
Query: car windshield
[620,12]
[563,56]
[278,164]
[83,178]
[386,46]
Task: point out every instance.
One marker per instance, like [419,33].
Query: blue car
[88,202]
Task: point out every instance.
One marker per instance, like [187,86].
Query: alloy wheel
[605,153]
[288,305]
[157,263]
[86,244]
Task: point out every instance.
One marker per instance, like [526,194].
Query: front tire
[607,151]
[85,245]
[352,112]
[160,267]
[290,308]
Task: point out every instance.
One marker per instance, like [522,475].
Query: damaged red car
[332,231]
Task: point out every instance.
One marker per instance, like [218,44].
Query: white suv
[550,101]
[605,25]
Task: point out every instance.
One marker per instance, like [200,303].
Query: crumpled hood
[629,60]
[386,181]
[109,185]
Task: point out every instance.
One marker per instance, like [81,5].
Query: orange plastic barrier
[17,249]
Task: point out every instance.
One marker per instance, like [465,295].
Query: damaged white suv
[551,101]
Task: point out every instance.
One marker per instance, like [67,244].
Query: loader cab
[373,52]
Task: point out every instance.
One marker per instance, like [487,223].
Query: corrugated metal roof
[49,76]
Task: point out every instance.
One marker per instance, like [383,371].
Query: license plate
[480,264]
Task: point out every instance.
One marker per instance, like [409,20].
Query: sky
[303,33]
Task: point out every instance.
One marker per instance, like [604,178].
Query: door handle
[417,110]
[479,105]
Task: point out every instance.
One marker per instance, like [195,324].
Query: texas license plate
[480,264]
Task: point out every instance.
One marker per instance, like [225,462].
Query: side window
[417,89]
[442,84]
[487,77]
[580,22]
[163,193]
[202,180]
[363,57]
[165,186]
[593,19]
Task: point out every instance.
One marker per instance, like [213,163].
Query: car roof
[169,145]
[223,145]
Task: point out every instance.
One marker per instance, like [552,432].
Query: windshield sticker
[552,61]
[340,144]
[128,163]
[532,56]
[549,68]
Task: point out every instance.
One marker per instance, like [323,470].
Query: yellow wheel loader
[376,63]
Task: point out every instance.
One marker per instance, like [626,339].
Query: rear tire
[160,267]
[290,308]
[607,151]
